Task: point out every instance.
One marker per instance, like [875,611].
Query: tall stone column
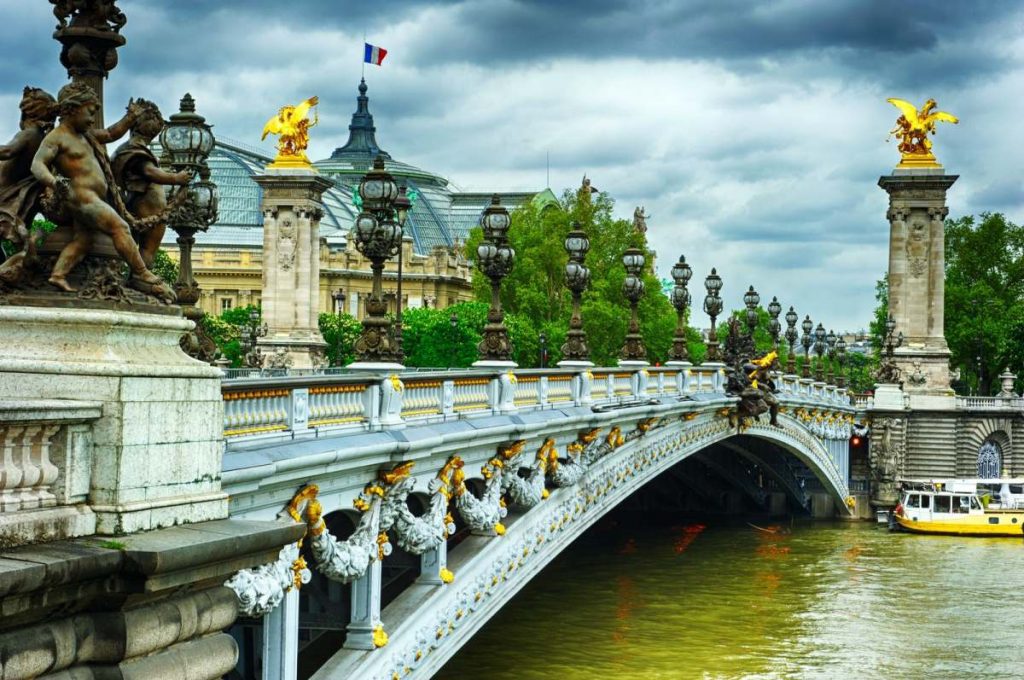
[291,267]
[917,210]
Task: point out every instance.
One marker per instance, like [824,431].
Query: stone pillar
[431,564]
[291,267]
[917,210]
[365,609]
[281,639]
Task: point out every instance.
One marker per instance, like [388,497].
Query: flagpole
[362,75]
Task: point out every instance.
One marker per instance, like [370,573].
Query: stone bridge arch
[428,625]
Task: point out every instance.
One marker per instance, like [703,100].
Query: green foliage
[340,332]
[984,314]
[536,299]
[877,327]
[164,266]
[860,371]
[40,228]
[113,545]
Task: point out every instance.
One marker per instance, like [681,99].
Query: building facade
[436,272]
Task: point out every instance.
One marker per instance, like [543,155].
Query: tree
[340,332]
[164,266]
[984,311]
[877,326]
[536,299]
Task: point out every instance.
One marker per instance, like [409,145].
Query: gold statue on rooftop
[291,125]
[913,128]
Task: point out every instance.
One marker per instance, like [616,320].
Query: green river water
[823,600]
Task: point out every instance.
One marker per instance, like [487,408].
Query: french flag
[373,54]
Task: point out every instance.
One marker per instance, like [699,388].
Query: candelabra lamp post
[791,337]
[807,326]
[830,349]
[577,277]
[713,307]
[819,350]
[252,332]
[841,359]
[888,373]
[681,274]
[187,142]
[378,237]
[543,339]
[633,288]
[751,300]
[774,327]
[495,258]
[402,207]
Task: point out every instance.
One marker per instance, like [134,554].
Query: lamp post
[819,350]
[577,278]
[453,321]
[681,274]
[402,207]
[187,141]
[253,331]
[830,342]
[841,358]
[750,300]
[774,327]
[888,372]
[339,300]
[791,337]
[495,258]
[713,307]
[807,326]
[633,349]
[543,338]
[378,237]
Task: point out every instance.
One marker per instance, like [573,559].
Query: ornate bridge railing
[269,407]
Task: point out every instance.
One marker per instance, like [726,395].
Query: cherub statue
[100,14]
[19,190]
[137,171]
[913,128]
[292,127]
[83,189]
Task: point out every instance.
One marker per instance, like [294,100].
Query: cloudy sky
[752,132]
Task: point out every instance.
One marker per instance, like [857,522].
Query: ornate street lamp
[252,332]
[751,300]
[713,307]
[543,338]
[807,326]
[187,141]
[819,349]
[841,358]
[577,278]
[830,342]
[888,372]
[402,206]
[791,337]
[681,273]
[378,237]
[495,258]
[633,288]
[774,327]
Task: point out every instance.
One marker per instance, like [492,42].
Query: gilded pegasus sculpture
[913,128]
[291,125]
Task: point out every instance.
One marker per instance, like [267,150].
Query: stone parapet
[147,606]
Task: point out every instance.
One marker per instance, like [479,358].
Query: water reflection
[819,600]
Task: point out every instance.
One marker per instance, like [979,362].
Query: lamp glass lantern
[186,139]
[633,260]
[681,272]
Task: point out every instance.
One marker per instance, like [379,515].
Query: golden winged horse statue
[913,128]
[291,125]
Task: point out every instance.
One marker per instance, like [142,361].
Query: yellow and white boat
[966,507]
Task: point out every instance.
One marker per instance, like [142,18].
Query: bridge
[432,498]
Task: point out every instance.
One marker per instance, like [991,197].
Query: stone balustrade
[45,467]
[269,408]
[990,403]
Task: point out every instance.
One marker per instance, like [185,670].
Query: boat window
[975,503]
[942,503]
[926,501]
[961,503]
[913,500]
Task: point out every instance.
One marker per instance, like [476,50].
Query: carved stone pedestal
[917,213]
[291,267]
[155,458]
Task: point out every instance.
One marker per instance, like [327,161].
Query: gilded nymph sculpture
[913,128]
[291,125]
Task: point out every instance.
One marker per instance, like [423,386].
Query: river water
[815,600]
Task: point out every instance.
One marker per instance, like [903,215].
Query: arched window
[990,457]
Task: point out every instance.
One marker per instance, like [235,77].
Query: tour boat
[966,507]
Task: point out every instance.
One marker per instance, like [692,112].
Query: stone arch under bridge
[426,626]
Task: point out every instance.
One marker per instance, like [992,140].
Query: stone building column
[291,266]
[917,212]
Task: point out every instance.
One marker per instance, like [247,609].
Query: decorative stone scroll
[262,589]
